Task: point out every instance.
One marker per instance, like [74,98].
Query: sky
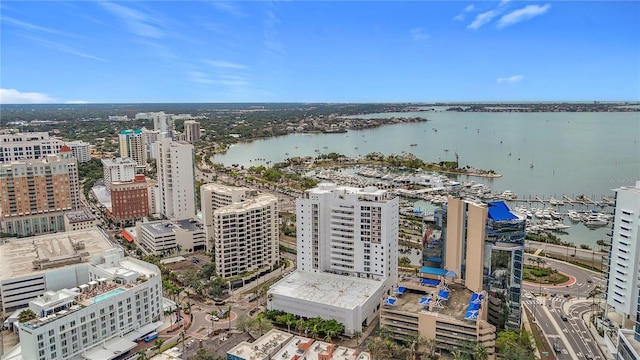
[318,51]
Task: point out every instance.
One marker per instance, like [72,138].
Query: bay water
[539,154]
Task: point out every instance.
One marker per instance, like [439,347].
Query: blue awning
[433,271]
[499,211]
[434,259]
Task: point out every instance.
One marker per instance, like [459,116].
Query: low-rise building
[99,319]
[277,344]
[79,220]
[31,266]
[165,237]
[130,199]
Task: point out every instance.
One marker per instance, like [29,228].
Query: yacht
[574,216]
[595,219]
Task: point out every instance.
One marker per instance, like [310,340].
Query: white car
[215,318]
[528,296]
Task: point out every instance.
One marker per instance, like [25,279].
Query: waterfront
[571,153]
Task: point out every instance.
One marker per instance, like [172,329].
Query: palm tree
[229,316]
[480,352]
[26,315]
[357,334]
[430,347]
[183,335]
[458,355]
[142,355]
[212,313]
[300,325]
[158,344]
[413,343]
[376,346]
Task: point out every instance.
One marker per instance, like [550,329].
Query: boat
[414,144]
[595,219]
[574,216]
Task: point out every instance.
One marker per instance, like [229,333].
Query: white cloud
[229,8]
[461,16]
[32,27]
[523,14]
[55,45]
[13,96]
[225,64]
[510,80]
[139,23]
[417,34]
[482,19]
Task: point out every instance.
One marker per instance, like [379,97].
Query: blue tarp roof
[499,211]
[433,271]
[434,259]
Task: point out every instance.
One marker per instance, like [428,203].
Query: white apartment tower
[20,146]
[348,231]
[176,179]
[80,150]
[192,131]
[118,170]
[242,225]
[132,145]
[624,263]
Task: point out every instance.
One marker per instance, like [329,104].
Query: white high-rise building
[347,243]
[20,146]
[348,230]
[242,225]
[623,284]
[176,179]
[118,170]
[150,138]
[192,131]
[80,150]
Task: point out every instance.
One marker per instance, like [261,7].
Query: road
[551,302]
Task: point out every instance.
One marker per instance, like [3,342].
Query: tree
[142,355]
[376,346]
[412,345]
[229,316]
[204,354]
[515,344]
[480,352]
[26,315]
[357,334]
[430,346]
[158,345]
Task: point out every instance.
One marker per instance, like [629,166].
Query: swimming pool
[107,295]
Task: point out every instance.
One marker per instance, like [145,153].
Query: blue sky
[324,51]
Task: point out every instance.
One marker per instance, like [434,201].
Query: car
[215,318]
[528,296]
[564,317]
[567,295]
[589,281]
[553,295]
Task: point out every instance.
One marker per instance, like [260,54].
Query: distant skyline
[324,51]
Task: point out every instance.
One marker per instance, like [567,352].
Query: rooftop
[79,216]
[18,256]
[336,290]
[456,306]
[190,224]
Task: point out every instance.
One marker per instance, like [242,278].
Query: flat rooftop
[342,291]
[79,216]
[456,306]
[159,227]
[17,255]
[190,224]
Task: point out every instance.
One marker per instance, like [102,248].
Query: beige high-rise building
[36,193]
[192,131]
[132,145]
[242,225]
[447,302]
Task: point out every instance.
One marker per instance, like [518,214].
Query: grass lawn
[544,275]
